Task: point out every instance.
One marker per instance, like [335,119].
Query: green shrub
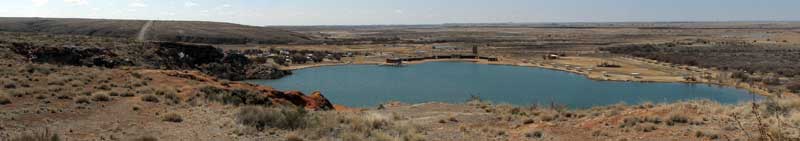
[283,118]
[150,98]
[173,117]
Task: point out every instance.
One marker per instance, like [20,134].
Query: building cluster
[286,57]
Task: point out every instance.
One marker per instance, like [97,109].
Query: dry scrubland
[152,95]
[176,31]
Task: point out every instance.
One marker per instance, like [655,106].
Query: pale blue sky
[364,12]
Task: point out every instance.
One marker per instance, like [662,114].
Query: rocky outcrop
[214,61]
[315,101]
[158,55]
[248,94]
[70,55]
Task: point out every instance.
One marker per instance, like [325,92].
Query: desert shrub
[4,100]
[608,65]
[127,94]
[534,134]
[293,137]
[172,97]
[528,121]
[83,100]
[648,127]
[781,107]
[283,118]
[103,87]
[235,97]
[709,135]
[630,122]
[101,97]
[654,120]
[41,135]
[146,138]
[172,117]
[677,119]
[164,92]
[150,98]
[549,117]
[794,86]
[10,86]
[113,93]
[517,111]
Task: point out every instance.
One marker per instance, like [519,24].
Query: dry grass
[146,138]
[360,126]
[100,97]
[283,118]
[150,98]
[172,117]
[3,99]
[40,135]
[83,100]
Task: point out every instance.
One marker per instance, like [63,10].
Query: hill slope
[180,31]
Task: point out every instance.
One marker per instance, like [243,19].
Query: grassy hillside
[182,31]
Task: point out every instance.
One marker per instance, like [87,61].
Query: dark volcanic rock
[159,55]
[70,55]
[186,56]
[213,61]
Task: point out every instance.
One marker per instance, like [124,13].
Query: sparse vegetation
[172,117]
[794,87]
[38,135]
[677,119]
[146,138]
[283,118]
[4,100]
[235,97]
[609,65]
[83,100]
[770,119]
[150,98]
[534,134]
[173,98]
[100,97]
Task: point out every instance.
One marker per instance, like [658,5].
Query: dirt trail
[143,31]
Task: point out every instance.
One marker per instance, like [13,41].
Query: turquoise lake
[456,82]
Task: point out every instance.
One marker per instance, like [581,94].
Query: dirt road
[143,31]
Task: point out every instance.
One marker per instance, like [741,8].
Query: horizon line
[446,23]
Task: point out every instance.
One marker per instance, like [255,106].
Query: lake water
[456,82]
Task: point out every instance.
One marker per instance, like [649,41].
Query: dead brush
[37,135]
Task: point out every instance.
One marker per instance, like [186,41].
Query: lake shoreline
[506,62]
